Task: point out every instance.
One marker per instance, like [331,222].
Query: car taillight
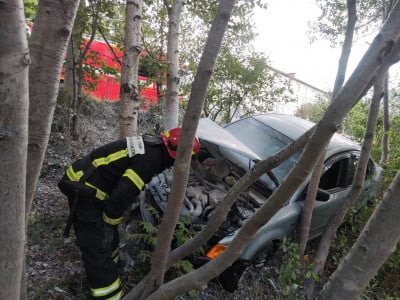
[216,250]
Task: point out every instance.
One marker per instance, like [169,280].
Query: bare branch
[109,45]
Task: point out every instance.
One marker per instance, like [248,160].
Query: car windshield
[264,141]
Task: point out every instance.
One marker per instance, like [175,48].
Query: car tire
[229,279]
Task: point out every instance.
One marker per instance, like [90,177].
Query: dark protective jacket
[119,170]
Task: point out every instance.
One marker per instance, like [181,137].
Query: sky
[282,30]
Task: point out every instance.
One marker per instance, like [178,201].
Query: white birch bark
[171,112]
[14,105]
[129,91]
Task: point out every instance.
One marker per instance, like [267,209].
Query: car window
[339,172]
[265,142]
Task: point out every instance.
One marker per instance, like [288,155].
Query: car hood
[220,142]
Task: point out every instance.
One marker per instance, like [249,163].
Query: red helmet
[171,140]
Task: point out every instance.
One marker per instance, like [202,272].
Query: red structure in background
[107,88]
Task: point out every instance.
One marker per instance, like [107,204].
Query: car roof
[293,127]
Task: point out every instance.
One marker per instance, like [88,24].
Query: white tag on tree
[135,145]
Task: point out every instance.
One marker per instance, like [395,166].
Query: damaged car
[227,153]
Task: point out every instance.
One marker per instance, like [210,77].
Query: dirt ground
[54,269]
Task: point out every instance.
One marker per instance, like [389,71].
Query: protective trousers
[98,242]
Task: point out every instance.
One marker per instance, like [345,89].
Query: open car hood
[220,142]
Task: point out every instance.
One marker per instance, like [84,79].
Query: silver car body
[225,142]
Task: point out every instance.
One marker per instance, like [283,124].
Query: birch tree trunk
[14,106]
[50,35]
[129,91]
[376,243]
[93,9]
[386,7]
[347,44]
[172,102]
[386,125]
[69,71]
[355,191]
[79,70]
[308,205]
[184,153]
[73,62]
[70,74]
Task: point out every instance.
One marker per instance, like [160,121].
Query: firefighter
[100,187]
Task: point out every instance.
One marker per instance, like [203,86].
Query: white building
[302,92]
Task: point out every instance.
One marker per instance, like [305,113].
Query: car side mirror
[322,195]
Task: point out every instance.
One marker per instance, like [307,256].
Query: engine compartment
[209,181]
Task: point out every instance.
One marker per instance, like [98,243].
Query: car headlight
[216,250]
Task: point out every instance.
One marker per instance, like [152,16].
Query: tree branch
[109,45]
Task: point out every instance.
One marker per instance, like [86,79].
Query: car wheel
[229,279]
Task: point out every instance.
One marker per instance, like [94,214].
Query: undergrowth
[145,240]
[386,283]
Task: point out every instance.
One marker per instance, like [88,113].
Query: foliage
[313,111]
[195,22]
[393,163]
[151,120]
[355,121]
[388,277]
[243,85]
[386,283]
[147,239]
[30,7]
[92,17]
[241,79]
[294,269]
[353,125]
[153,64]
[106,15]
[347,234]
[94,66]
[331,23]
[241,23]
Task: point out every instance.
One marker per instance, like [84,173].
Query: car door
[336,180]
